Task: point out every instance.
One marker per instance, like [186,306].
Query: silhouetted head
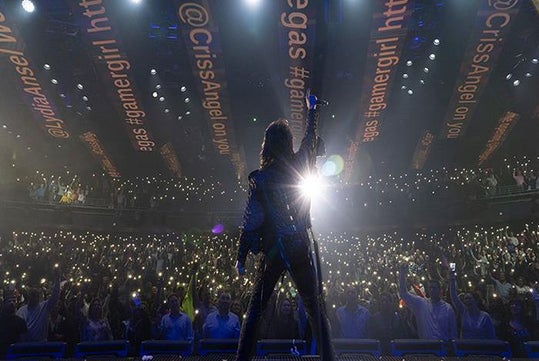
[277,144]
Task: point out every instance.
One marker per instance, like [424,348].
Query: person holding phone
[474,323]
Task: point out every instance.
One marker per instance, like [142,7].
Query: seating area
[224,349]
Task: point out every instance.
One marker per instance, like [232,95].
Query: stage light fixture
[180,117]
[409,63]
[403,87]
[410,91]
[54,81]
[79,86]
[162,99]
[436,42]
[167,110]
[46,67]
[516,83]
[421,81]
[85,98]
[187,100]
[252,3]
[28,6]
[432,56]
[153,72]
[158,86]
[405,76]
[426,70]
[188,113]
[154,94]
[535,61]
[508,76]
[528,75]
[310,186]
[183,89]
[136,1]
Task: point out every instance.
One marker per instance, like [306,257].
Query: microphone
[322,102]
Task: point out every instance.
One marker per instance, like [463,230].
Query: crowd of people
[476,282]
[167,193]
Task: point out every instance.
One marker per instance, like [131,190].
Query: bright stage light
[409,63]
[153,71]
[311,186]
[535,61]
[252,3]
[28,6]
[136,1]
[405,76]
[508,76]
[516,82]
[432,56]
[436,42]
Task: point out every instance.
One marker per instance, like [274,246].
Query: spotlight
[46,67]
[535,61]
[403,87]
[426,70]
[79,86]
[253,3]
[528,75]
[153,71]
[180,117]
[516,83]
[154,94]
[28,6]
[188,113]
[187,100]
[410,91]
[136,1]
[409,63]
[436,42]
[158,86]
[85,98]
[54,81]
[310,186]
[432,56]
[183,89]
[162,99]
[508,76]
[421,81]
[405,76]
[167,110]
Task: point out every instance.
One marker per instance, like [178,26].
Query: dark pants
[302,271]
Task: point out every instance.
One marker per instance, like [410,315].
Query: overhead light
[409,63]
[421,81]
[46,67]
[167,110]
[426,70]
[154,94]
[254,119]
[79,86]
[183,89]
[188,113]
[88,108]
[4,126]
[410,91]
[528,75]
[153,71]
[403,87]
[158,86]
[162,99]
[516,82]
[180,117]
[85,98]
[535,61]
[253,3]
[436,42]
[432,56]
[136,1]
[405,76]
[508,76]
[54,81]
[28,6]
[187,100]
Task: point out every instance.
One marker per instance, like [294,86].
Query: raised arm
[311,141]
[459,306]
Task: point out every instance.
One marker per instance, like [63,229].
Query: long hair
[277,144]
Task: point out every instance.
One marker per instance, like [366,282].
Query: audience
[12,327]
[126,277]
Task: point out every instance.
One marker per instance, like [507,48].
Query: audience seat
[164,347]
[102,348]
[36,349]
[209,346]
[401,347]
[280,347]
[462,348]
[357,346]
[532,349]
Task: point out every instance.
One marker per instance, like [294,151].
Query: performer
[277,222]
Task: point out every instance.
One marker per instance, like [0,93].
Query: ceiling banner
[12,52]
[494,19]
[94,145]
[388,34]
[297,29]
[114,67]
[502,130]
[422,150]
[202,40]
[171,160]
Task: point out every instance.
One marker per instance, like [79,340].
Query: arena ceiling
[188,87]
